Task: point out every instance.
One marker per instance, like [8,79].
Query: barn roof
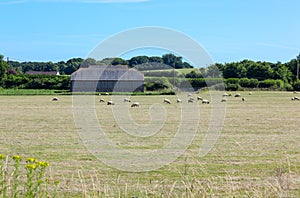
[97,72]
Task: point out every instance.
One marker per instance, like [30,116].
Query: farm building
[96,78]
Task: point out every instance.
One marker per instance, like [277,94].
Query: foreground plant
[26,179]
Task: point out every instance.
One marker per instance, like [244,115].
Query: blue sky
[231,30]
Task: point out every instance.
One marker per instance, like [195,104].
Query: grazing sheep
[55,99]
[205,102]
[237,95]
[295,92]
[127,100]
[136,104]
[101,100]
[110,103]
[223,100]
[199,98]
[178,100]
[107,93]
[167,101]
[225,94]
[243,99]
[250,93]
[191,100]
[295,98]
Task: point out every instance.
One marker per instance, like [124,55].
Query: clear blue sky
[230,30]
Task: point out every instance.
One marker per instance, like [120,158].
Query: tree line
[237,75]
[70,66]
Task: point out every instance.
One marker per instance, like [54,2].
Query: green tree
[280,71]
[3,67]
[171,60]
[137,60]
[119,61]
[155,59]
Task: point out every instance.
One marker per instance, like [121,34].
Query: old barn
[97,78]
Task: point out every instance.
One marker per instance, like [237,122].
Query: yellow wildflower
[43,164]
[17,158]
[2,156]
[30,160]
[31,166]
[56,182]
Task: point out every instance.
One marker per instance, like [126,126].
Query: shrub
[272,84]
[157,83]
[249,83]
[232,87]
[296,85]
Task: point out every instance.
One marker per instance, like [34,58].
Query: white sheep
[225,94]
[237,95]
[55,99]
[199,98]
[223,100]
[167,101]
[136,104]
[110,103]
[205,102]
[101,100]
[178,100]
[191,100]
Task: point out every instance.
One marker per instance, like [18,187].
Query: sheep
[225,94]
[205,102]
[223,100]
[199,98]
[110,103]
[107,93]
[295,92]
[250,93]
[167,101]
[127,100]
[295,98]
[178,100]
[55,99]
[237,95]
[136,104]
[189,95]
[191,100]
[101,100]
[243,99]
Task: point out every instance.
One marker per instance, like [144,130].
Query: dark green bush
[296,85]
[272,84]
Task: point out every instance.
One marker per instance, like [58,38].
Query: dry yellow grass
[257,154]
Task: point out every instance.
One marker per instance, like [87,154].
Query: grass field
[257,153]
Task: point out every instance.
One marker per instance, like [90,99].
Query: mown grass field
[257,153]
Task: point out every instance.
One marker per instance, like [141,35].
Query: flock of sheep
[189,100]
